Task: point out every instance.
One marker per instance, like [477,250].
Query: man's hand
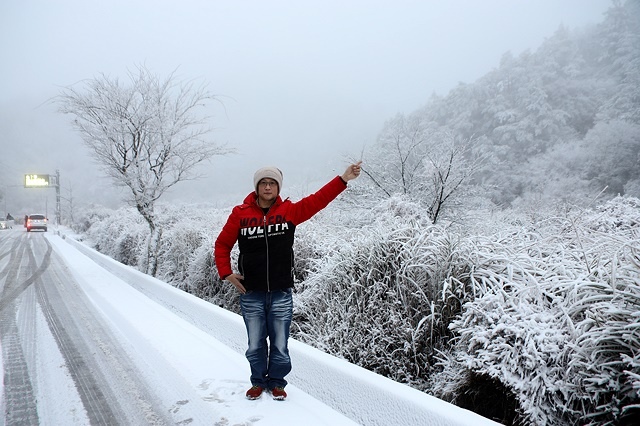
[352,172]
[236,280]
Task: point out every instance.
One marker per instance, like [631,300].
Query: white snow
[54,379]
[176,338]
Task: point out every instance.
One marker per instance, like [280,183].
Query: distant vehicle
[36,221]
[6,223]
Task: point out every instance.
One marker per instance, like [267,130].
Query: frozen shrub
[203,281]
[89,215]
[519,344]
[120,235]
[554,320]
[127,249]
[605,358]
[619,214]
[308,248]
[177,247]
[380,296]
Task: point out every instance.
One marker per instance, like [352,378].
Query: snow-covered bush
[121,234]
[619,214]
[513,331]
[606,353]
[177,247]
[87,216]
[555,319]
[309,245]
[185,228]
[380,296]
[203,281]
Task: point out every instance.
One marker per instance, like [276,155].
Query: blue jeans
[268,314]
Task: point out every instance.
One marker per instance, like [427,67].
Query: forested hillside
[561,123]
[489,254]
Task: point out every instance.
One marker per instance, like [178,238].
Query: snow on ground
[190,340]
[53,379]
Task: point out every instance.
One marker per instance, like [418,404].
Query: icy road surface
[85,340]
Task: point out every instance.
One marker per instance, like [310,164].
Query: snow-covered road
[86,340]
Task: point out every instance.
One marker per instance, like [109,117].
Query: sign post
[57,183]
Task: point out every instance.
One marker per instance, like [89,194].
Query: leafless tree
[146,134]
[428,166]
[395,165]
[449,167]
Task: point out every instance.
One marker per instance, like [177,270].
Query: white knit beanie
[268,172]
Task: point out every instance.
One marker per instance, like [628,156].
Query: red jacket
[265,240]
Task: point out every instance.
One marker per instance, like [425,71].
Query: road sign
[36,181]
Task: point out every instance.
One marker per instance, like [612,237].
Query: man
[264,227]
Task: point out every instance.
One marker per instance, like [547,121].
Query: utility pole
[57,197]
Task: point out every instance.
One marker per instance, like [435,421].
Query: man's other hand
[236,280]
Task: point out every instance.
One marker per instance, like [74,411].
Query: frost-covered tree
[396,162]
[619,38]
[450,167]
[430,167]
[612,151]
[147,135]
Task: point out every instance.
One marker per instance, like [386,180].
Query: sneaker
[278,394]
[255,392]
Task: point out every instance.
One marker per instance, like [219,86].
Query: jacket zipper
[266,241]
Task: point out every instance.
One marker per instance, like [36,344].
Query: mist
[303,86]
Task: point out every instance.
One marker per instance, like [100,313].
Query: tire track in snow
[16,242]
[103,374]
[10,271]
[93,399]
[9,295]
[19,400]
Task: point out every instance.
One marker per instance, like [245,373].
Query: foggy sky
[303,84]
